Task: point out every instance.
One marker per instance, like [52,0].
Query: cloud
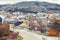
[15,1]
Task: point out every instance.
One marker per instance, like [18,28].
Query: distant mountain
[32,6]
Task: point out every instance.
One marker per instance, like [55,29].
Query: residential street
[33,36]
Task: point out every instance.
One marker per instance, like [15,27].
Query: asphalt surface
[32,36]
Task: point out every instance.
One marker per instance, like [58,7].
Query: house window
[44,15]
[0,20]
[20,18]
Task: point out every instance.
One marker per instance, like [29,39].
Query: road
[27,35]
[33,36]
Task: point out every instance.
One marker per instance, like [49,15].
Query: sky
[15,1]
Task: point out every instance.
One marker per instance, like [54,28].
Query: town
[40,24]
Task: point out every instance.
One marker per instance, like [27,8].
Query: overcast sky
[15,1]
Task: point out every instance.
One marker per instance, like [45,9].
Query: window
[0,20]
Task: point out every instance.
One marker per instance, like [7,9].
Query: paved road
[33,36]
[28,35]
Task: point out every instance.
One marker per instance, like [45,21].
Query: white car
[10,20]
